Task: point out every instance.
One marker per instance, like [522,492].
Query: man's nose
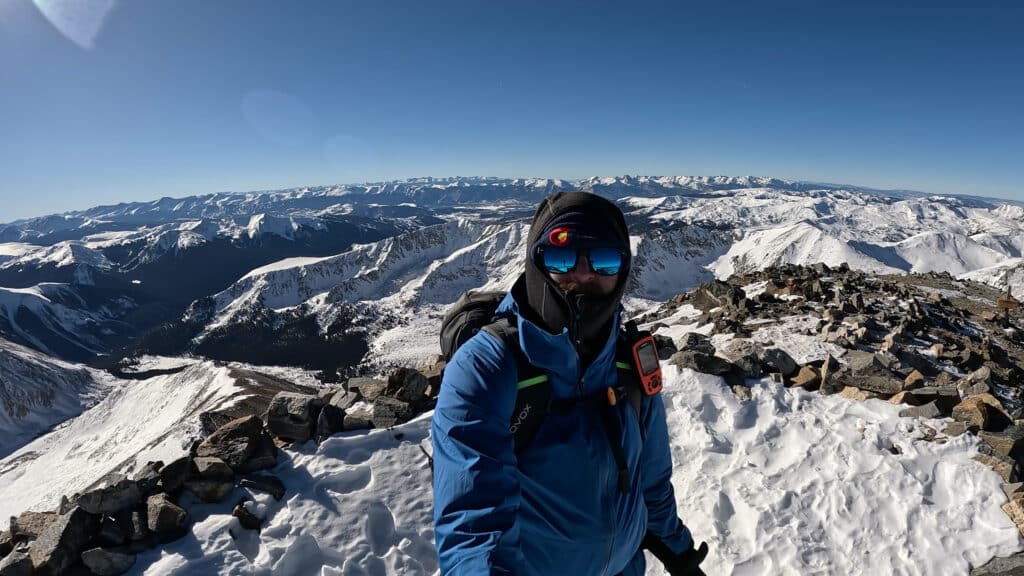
[582,271]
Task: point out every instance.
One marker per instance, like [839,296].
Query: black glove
[682,564]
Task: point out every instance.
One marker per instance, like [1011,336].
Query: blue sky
[191,97]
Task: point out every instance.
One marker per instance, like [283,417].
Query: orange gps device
[645,359]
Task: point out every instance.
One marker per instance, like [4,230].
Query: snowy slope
[38,392]
[52,319]
[153,418]
[788,483]
[1007,273]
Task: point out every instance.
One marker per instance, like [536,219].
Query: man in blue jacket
[556,507]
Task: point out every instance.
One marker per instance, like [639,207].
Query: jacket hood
[587,317]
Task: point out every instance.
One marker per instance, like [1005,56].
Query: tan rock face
[1015,510]
[807,378]
[1002,465]
[914,380]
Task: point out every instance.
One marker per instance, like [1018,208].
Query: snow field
[792,482]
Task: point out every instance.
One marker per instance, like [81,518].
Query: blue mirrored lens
[559,260]
[605,261]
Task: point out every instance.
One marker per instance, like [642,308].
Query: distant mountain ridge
[265,264]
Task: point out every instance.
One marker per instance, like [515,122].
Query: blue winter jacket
[555,507]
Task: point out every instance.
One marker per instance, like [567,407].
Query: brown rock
[914,380]
[829,370]
[1008,442]
[983,411]
[31,524]
[1002,465]
[905,397]
[211,468]
[1014,508]
[807,378]
[853,393]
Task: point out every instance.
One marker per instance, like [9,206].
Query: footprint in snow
[380,528]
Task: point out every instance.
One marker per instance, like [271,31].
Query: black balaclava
[587,316]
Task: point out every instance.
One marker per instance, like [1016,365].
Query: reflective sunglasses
[562,259]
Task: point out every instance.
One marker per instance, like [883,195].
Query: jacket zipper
[611,521]
[574,335]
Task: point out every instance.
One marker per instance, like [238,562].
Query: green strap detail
[531,381]
[623,366]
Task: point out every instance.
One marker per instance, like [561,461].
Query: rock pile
[101,530]
[928,341]
[359,404]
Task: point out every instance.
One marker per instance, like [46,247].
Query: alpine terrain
[242,383]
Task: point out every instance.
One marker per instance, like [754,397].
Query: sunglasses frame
[590,262]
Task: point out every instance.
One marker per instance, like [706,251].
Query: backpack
[475,311]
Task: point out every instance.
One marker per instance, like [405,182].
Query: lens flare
[76,20]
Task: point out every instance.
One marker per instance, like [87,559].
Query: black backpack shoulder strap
[624,365]
[533,389]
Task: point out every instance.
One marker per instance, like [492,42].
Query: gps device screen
[648,358]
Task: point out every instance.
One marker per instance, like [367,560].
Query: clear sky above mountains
[107,101]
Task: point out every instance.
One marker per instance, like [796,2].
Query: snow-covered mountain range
[284,256]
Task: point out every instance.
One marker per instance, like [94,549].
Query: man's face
[583,280]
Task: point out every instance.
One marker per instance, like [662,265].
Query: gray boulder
[388,412]
[330,422]
[368,388]
[700,362]
[778,360]
[211,421]
[17,563]
[234,442]
[665,345]
[107,562]
[61,543]
[263,457]
[1010,566]
[744,354]
[359,419]
[868,371]
[166,519]
[716,294]
[172,476]
[148,478]
[120,495]
[929,410]
[407,385]
[292,416]
[110,533]
[695,342]
[345,400]
[212,468]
